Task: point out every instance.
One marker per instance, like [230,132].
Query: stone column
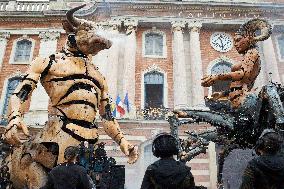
[271,61]
[112,62]
[3,43]
[261,79]
[212,165]
[129,61]
[196,64]
[179,70]
[38,113]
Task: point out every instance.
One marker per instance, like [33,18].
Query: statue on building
[240,114]
[77,90]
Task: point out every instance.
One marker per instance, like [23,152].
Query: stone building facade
[161,50]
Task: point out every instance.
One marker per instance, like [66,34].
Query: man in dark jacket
[167,173]
[267,170]
[69,175]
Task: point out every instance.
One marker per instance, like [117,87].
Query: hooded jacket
[167,173]
[68,176]
[264,172]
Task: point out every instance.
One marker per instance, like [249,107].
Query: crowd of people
[266,171]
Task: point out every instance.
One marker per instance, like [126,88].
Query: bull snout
[101,42]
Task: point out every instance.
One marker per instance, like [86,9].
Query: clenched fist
[129,150]
[11,132]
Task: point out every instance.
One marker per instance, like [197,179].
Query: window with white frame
[154,89]
[219,68]
[22,51]
[154,44]
[11,86]
[280,41]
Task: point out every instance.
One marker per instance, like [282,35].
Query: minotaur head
[83,35]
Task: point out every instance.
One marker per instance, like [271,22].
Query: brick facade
[142,63]
[142,132]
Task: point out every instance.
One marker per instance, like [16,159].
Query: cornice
[188,9]
[209,6]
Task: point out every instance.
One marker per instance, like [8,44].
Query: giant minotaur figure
[77,90]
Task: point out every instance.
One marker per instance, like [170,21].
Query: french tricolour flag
[119,107]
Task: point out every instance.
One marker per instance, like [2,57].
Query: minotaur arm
[112,128]
[24,90]
[110,124]
[19,100]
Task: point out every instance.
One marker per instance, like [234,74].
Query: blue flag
[126,102]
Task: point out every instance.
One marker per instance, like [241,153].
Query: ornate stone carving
[194,26]
[49,36]
[152,68]
[178,25]
[4,35]
[115,24]
[130,23]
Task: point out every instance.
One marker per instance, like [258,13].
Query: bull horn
[71,19]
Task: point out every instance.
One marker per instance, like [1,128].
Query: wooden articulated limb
[18,102]
[113,130]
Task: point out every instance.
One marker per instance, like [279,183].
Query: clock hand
[216,44]
[222,45]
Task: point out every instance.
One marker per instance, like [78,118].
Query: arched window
[23,51]
[154,86]
[11,86]
[221,67]
[154,44]
[280,41]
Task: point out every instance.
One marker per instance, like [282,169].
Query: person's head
[83,35]
[269,142]
[247,37]
[165,145]
[71,153]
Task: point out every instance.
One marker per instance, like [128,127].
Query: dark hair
[165,145]
[71,152]
[269,143]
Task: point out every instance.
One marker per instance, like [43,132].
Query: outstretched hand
[208,81]
[180,113]
[130,151]
[11,132]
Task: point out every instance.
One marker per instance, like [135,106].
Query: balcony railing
[153,113]
[3,5]
[27,6]
[32,6]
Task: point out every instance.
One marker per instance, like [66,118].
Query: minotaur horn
[265,34]
[250,27]
[71,19]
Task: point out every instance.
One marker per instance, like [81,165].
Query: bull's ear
[68,27]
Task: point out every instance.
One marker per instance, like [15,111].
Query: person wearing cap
[69,175]
[167,173]
[267,170]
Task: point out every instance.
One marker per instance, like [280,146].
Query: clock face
[221,42]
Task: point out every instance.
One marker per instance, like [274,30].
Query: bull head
[87,40]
